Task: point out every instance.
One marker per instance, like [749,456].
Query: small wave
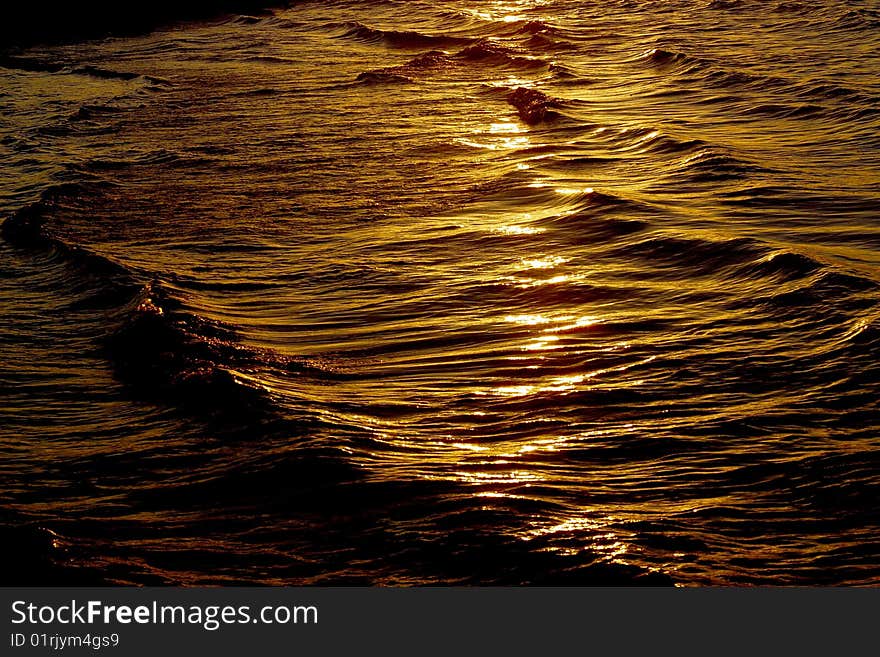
[245,19]
[645,139]
[427,60]
[104,73]
[530,27]
[566,73]
[858,20]
[592,227]
[542,42]
[261,91]
[270,59]
[27,228]
[433,59]
[165,353]
[156,346]
[91,112]
[718,74]
[824,90]
[382,77]
[712,165]
[533,106]
[661,56]
[681,62]
[688,256]
[35,65]
[775,196]
[157,157]
[732,79]
[101,281]
[821,283]
[482,52]
[781,265]
[784,111]
[489,51]
[402,39]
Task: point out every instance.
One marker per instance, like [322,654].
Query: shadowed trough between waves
[525,292]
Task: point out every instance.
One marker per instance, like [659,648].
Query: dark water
[446,292]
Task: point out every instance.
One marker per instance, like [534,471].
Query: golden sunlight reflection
[501,135]
[513,82]
[560,384]
[504,477]
[552,333]
[596,534]
[554,280]
[509,11]
[579,322]
[568,191]
[505,128]
[518,229]
[551,326]
[511,450]
[542,343]
[563,384]
[528,320]
[544,263]
[563,191]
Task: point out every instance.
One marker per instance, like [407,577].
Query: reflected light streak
[518,229]
[505,128]
[544,263]
[507,134]
[598,538]
[562,384]
[528,320]
[510,477]
[543,343]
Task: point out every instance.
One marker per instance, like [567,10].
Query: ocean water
[460,292]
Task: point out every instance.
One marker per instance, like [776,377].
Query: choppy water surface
[452,291]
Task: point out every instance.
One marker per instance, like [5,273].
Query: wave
[523,27]
[737,258]
[496,53]
[27,228]
[777,196]
[382,77]
[712,164]
[717,74]
[157,347]
[785,111]
[533,106]
[36,65]
[482,52]
[680,62]
[858,20]
[748,261]
[165,353]
[542,42]
[402,39]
